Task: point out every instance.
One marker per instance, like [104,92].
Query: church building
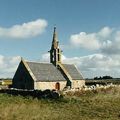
[54,75]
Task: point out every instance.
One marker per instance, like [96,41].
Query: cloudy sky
[88,31]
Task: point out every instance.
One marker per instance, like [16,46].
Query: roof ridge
[47,62]
[68,64]
[38,62]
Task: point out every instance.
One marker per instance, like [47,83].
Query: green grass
[100,105]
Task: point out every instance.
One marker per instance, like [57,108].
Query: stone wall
[49,85]
[78,83]
[22,79]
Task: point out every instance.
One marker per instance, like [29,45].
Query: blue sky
[85,28]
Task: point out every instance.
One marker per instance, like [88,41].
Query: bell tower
[55,52]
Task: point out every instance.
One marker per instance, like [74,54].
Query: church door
[57,86]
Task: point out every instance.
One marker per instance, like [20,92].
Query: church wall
[78,83]
[49,85]
[22,78]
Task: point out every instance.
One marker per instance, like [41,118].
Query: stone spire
[55,52]
[55,40]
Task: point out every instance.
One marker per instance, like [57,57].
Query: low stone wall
[46,94]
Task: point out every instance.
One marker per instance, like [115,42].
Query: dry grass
[95,105]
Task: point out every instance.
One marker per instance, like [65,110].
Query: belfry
[55,52]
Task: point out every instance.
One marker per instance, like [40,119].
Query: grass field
[95,105]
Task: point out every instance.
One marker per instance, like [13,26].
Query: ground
[95,105]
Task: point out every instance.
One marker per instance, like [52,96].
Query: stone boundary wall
[46,94]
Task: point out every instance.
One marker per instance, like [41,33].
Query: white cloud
[117,36]
[26,30]
[92,41]
[88,41]
[111,47]
[8,66]
[106,41]
[105,32]
[46,57]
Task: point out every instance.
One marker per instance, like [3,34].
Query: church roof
[73,71]
[48,72]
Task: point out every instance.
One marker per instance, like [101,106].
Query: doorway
[57,86]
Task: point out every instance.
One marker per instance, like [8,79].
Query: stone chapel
[54,75]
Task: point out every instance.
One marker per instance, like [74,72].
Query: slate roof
[48,72]
[73,71]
